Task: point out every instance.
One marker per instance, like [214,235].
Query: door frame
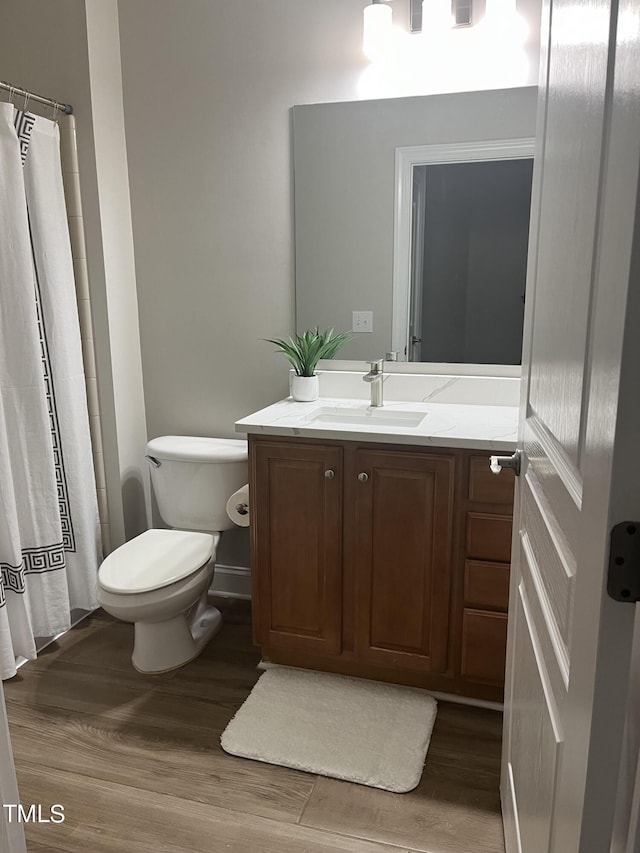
[11,833]
[424,155]
[626,828]
[416,268]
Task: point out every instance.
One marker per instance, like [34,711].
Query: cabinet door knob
[329,474]
[363,477]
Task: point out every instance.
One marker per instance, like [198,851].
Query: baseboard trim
[78,615]
[231,582]
[444,697]
[466,700]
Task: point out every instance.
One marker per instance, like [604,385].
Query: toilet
[160,579]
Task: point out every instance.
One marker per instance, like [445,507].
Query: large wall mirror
[416,210]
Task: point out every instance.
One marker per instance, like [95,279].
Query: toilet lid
[155,559]
[189,448]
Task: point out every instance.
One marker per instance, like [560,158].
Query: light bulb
[377,30]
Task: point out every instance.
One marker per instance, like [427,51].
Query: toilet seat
[155,559]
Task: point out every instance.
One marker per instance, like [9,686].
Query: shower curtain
[49,528]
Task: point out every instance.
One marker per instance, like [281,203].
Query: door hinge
[623,581]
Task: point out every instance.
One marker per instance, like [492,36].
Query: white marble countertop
[475,426]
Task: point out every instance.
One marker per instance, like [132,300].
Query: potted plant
[304,352]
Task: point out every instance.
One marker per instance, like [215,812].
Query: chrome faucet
[376,377]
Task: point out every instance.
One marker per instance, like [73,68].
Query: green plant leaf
[305,351]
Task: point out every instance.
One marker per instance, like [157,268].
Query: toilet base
[164,646]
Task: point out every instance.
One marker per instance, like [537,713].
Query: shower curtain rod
[30,96]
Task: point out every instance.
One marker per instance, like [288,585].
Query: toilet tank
[193,478]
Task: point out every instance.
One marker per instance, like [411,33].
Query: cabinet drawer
[488,488]
[489,537]
[484,645]
[486,585]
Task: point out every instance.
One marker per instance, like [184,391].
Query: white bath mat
[362,731]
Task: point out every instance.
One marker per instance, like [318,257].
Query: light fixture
[444,46]
[439,12]
[377,30]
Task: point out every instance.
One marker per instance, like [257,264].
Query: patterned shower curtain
[49,527]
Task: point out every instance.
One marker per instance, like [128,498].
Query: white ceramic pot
[304,389]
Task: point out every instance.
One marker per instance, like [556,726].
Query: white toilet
[159,580]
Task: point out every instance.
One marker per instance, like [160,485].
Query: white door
[569,643]
[11,832]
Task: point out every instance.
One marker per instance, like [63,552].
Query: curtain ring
[26,102]
[12,90]
[56,107]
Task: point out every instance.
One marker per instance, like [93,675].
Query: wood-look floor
[136,762]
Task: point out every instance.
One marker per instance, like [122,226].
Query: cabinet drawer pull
[363,477]
[329,474]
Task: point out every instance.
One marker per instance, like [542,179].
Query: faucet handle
[376,366]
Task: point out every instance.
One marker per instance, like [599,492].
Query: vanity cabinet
[382,561]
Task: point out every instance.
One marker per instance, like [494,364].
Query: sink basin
[368,416]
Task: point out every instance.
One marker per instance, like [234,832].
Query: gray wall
[344,158]
[208,91]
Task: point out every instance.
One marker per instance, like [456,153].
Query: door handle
[497,463]
[363,477]
[329,475]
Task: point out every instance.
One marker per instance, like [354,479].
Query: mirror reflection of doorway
[469,237]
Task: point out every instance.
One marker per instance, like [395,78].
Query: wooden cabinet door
[296,502]
[404,521]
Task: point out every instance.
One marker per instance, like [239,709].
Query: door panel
[554,657]
[569,644]
[534,759]
[575,111]
[298,546]
[557,562]
[404,518]
[395,623]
